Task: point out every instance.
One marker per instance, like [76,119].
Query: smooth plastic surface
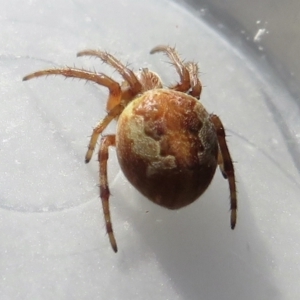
[52,235]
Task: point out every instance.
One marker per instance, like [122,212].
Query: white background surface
[53,241]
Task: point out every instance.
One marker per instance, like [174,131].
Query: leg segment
[196,86]
[126,73]
[184,84]
[115,112]
[106,142]
[226,166]
[115,93]
[221,163]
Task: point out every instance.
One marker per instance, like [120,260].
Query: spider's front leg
[226,166]
[106,142]
[188,72]
[196,85]
[114,98]
[184,84]
[128,75]
[115,93]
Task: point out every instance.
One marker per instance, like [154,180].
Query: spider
[167,144]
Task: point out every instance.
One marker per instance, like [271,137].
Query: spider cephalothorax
[168,145]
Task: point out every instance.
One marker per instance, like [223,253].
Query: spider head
[149,80]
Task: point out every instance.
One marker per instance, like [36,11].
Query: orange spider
[168,145]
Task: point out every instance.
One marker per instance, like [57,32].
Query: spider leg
[221,163]
[115,112]
[115,93]
[126,73]
[196,86]
[226,166]
[106,142]
[184,84]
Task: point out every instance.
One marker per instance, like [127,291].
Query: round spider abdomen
[167,147]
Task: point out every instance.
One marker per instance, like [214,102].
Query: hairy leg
[106,142]
[226,166]
[184,84]
[196,86]
[115,93]
[126,73]
[115,112]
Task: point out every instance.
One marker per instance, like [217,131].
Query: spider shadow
[197,250]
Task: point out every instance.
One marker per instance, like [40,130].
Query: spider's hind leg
[106,142]
[226,166]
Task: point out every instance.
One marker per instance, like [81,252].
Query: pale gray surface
[277,24]
[53,242]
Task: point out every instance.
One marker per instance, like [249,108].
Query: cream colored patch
[163,163]
[145,146]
